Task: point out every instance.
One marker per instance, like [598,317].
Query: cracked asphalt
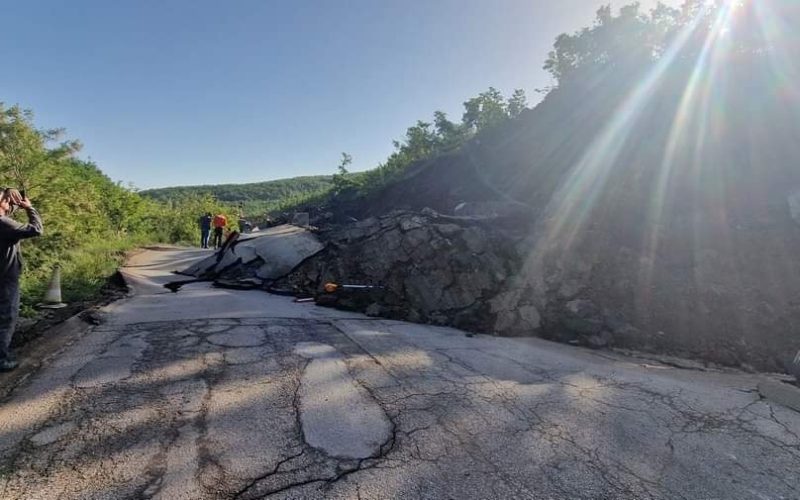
[210,393]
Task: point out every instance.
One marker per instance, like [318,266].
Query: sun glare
[699,117]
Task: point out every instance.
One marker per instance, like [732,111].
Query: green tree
[345,183]
[517,103]
[485,111]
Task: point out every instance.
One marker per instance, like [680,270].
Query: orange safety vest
[220,221]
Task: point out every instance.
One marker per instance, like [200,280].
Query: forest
[251,199]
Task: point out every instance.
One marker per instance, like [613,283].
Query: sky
[186,92]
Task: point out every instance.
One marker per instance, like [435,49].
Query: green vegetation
[90,221]
[253,198]
[423,141]
[620,47]
[426,140]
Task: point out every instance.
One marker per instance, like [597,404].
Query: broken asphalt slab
[275,251]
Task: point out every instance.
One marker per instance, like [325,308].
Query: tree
[449,135]
[629,42]
[346,160]
[486,110]
[517,103]
[345,183]
[23,148]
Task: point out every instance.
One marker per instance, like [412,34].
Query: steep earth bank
[602,220]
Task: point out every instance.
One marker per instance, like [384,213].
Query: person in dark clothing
[205,229]
[11,232]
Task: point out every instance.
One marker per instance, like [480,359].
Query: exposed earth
[218,393]
[612,219]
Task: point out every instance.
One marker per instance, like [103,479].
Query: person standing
[11,232]
[220,221]
[205,229]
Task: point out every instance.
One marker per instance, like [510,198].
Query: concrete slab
[281,248]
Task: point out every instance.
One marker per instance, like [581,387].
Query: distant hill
[254,198]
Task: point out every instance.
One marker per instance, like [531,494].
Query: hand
[17,199]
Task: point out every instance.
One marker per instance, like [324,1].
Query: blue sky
[177,92]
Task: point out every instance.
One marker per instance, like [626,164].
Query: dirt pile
[629,231]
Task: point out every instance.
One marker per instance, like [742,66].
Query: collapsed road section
[480,273]
[255,260]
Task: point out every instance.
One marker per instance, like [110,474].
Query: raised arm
[15,231]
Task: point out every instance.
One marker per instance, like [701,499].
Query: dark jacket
[11,232]
[205,222]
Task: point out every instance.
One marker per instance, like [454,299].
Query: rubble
[432,268]
[255,260]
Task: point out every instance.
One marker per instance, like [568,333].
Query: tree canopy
[630,41]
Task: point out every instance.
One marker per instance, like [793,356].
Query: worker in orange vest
[219,223]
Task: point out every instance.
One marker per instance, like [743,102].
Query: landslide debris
[595,218]
[629,233]
[431,268]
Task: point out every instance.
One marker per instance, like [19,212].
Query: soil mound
[606,221]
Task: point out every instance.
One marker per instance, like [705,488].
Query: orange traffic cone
[52,299]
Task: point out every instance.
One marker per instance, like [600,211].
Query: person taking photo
[11,233]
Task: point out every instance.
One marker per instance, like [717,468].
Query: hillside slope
[658,216]
[255,198]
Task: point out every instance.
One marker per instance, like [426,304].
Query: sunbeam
[690,123]
[574,200]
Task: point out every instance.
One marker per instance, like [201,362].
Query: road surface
[210,393]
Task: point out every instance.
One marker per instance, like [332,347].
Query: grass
[84,272]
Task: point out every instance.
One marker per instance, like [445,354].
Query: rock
[530,317]
[570,288]
[414,238]
[414,222]
[583,317]
[392,239]
[505,301]
[374,309]
[602,339]
[370,224]
[351,235]
[448,230]
[421,291]
[475,240]
[505,320]
[429,212]
[300,219]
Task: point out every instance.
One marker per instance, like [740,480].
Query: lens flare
[701,61]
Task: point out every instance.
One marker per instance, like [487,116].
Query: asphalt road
[209,393]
